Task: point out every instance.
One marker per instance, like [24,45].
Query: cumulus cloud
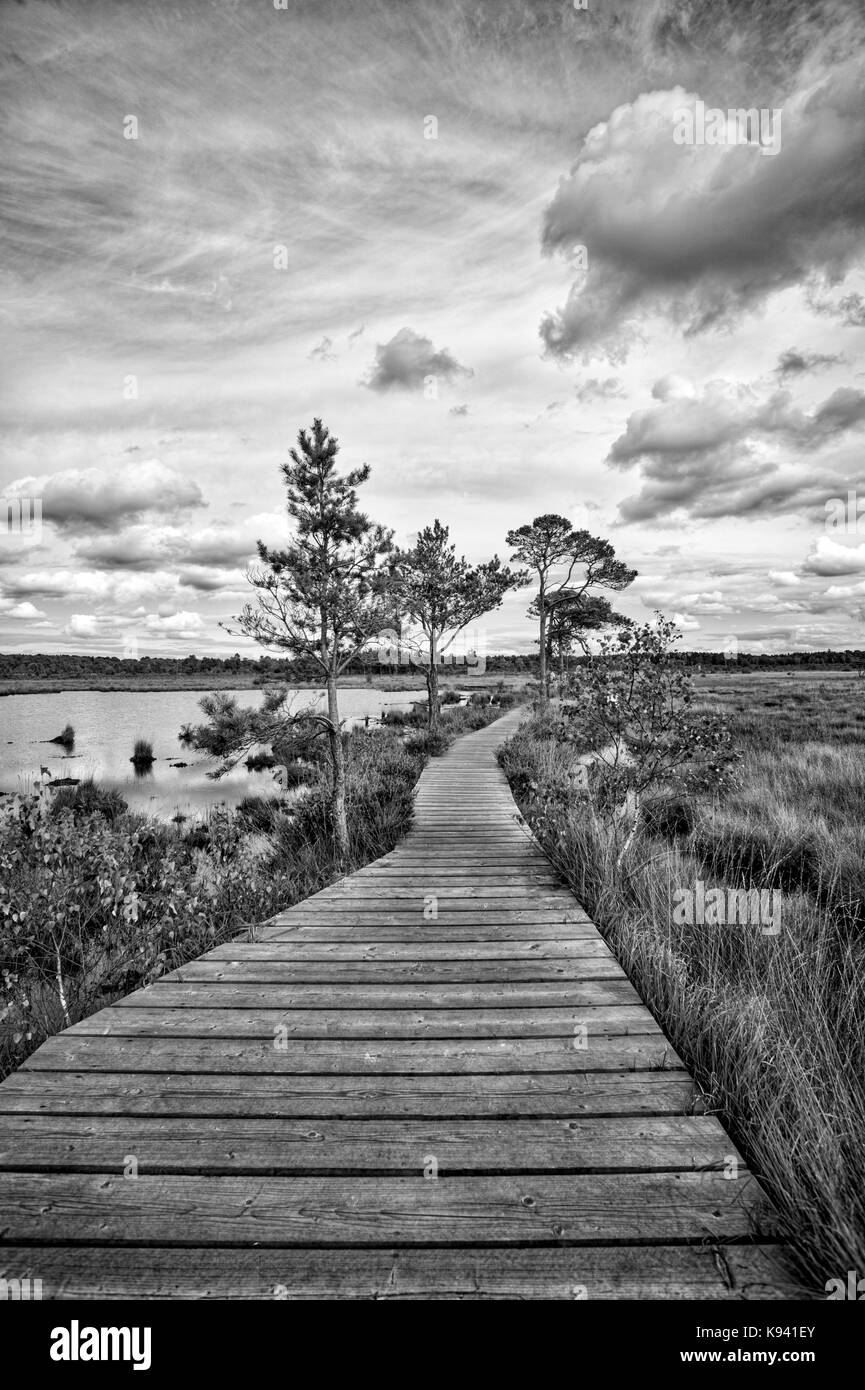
[712,452]
[172,625]
[98,500]
[177,625]
[705,233]
[786,578]
[20,611]
[408,359]
[829,557]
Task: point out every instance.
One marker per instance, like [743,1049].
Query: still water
[107,723]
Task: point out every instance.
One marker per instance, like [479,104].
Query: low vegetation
[142,755]
[771,1025]
[96,901]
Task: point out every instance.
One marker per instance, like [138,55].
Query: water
[107,723]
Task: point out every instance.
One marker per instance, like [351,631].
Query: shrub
[87,799]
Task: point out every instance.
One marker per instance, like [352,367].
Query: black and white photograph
[432,669]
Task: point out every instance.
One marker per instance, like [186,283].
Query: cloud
[146,546]
[705,233]
[599,388]
[850,308]
[20,611]
[95,585]
[174,625]
[408,359]
[786,578]
[846,590]
[711,453]
[795,363]
[97,500]
[322,351]
[828,557]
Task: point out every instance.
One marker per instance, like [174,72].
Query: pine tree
[322,596]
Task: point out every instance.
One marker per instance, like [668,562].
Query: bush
[428,744]
[87,799]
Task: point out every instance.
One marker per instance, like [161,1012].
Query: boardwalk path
[448,1009]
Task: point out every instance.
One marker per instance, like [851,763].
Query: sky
[480,240]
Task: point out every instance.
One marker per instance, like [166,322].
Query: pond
[107,723]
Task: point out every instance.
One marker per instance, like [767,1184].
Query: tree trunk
[337,772]
[432,688]
[543,648]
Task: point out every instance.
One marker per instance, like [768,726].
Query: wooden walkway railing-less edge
[430,1080]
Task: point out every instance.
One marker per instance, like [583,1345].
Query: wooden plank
[423,1096]
[587,1272]
[375,971]
[216,994]
[429,932]
[347,914]
[537,1209]
[72,1051]
[550,1021]
[297,949]
[78,1144]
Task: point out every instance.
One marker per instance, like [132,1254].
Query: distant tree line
[75,666]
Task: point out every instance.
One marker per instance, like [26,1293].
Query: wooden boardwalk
[431,1080]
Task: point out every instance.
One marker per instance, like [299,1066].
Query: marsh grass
[142,754]
[773,1028]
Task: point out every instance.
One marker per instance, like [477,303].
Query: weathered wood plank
[216,994]
[422,1096]
[296,948]
[536,1209]
[374,971]
[73,1143]
[586,1272]
[72,1051]
[550,1021]
[428,932]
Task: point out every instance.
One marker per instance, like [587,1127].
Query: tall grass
[773,1028]
[142,754]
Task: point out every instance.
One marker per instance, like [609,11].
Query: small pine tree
[322,596]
